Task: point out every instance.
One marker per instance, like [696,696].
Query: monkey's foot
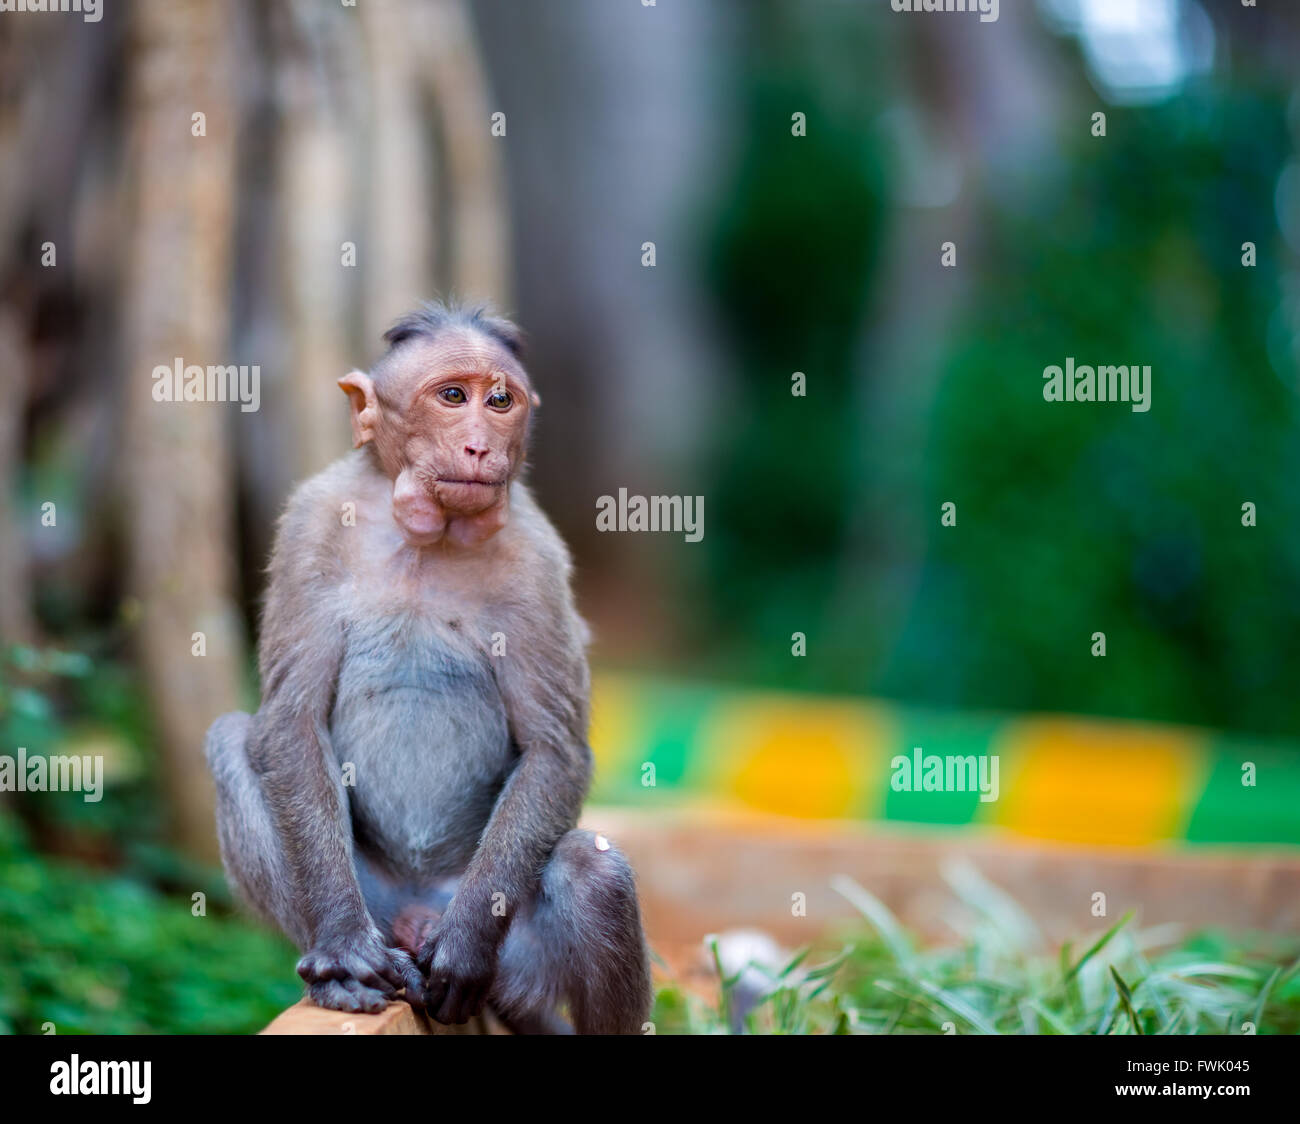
[347,995]
[359,973]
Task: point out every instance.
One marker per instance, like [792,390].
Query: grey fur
[470,770]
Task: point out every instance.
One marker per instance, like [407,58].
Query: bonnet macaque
[403,805]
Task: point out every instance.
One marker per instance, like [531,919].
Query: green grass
[1000,978]
[94,952]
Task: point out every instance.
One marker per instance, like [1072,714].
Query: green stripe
[669,719]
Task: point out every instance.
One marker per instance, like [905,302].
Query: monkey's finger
[449,1011]
[368,999]
[471,998]
[315,968]
[401,974]
[397,967]
[371,978]
[411,980]
[470,1001]
[424,958]
[474,1003]
[434,994]
[332,994]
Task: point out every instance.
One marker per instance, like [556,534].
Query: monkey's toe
[347,995]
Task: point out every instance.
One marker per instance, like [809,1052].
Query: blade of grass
[1126,998]
[799,958]
[936,1012]
[1258,1017]
[725,985]
[875,911]
[1157,1000]
[1107,1011]
[1291,971]
[958,1006]
[1011,922]
[1050,1019]
[1073,999]
[1172,1026]
[1102,942]
[1213,968]
[823,971]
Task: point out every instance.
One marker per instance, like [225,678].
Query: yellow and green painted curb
[1081,780]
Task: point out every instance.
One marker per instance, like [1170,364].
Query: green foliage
[1154,982]
[101,949]
[70,702]
[97,953]
[790,259]
[1072,518]
[1081,518]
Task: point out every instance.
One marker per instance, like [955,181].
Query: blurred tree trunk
[379,137]
[373,129]
[401,249]
[986,106]
[318,175]
[17,134]
[16,623]
[178,470]
[474,245]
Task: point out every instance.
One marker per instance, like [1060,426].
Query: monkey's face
[450,422]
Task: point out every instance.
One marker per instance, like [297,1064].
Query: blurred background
[350,160]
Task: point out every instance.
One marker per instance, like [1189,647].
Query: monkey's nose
[476,450]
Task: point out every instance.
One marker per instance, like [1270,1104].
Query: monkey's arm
[543,796]
[301,650]
[545,683]
[289,749]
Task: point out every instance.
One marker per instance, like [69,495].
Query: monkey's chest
[419,730]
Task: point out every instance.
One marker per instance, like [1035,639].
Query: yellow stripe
[1097,782]
[618,721]
[795,756]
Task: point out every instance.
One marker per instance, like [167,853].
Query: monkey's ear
[536,398]
[365,406]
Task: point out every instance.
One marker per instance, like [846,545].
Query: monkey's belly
[424,745]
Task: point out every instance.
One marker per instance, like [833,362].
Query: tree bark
[178,471]
[476,251]
[400,249]
[317,178]
[17,625]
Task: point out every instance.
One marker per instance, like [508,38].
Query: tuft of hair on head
[431,318]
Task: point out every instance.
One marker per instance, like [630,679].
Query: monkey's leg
[250,848]
[253,857]
[579,940]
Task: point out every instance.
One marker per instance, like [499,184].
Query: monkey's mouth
[467,496]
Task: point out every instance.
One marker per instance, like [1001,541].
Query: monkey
[403,804]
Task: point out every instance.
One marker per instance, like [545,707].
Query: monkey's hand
[359,973]
[460,959]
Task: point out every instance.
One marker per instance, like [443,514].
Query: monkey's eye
[499,400]
[452,394]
